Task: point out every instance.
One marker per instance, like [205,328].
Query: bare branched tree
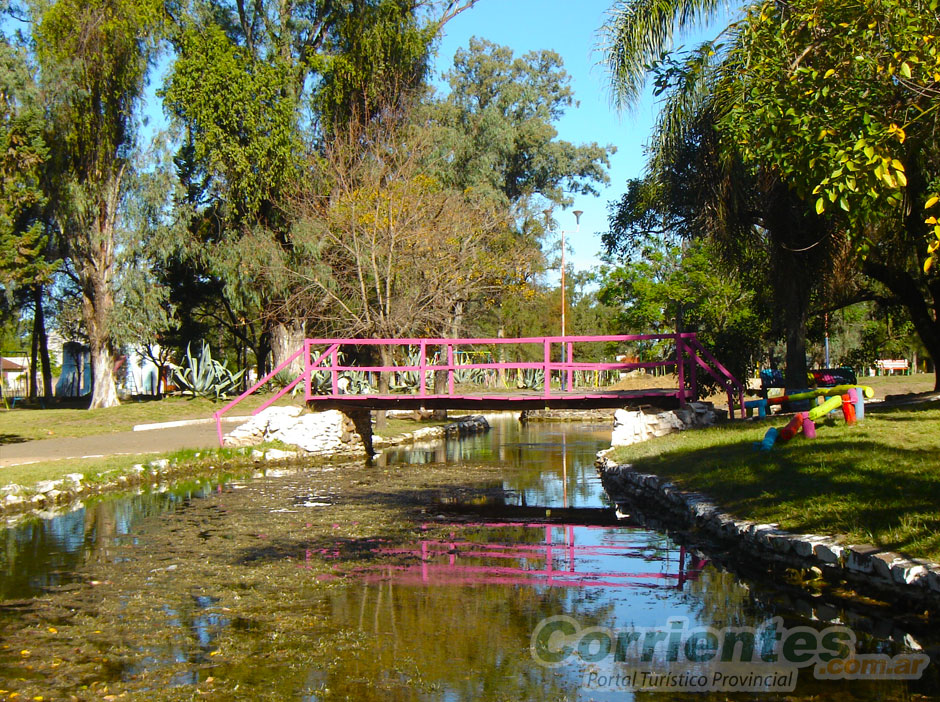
[394,253]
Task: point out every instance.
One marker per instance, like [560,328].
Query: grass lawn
[877,482]
[100,470]
[27,424]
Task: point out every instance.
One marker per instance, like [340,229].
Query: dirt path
[197,436]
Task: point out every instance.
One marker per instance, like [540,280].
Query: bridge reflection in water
[538,555]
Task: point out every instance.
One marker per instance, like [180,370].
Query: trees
[242,148]
[670,277]
[842,99]
[740,196]
[390,248]
[96,55]
[23,152]
[25,268]
[257,89]
[495,127]
[496,138]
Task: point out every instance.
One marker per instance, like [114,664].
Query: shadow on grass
[12,439]
[906,414]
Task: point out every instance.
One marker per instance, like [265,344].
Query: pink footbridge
[563,383]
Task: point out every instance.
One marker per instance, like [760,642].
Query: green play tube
[825,408]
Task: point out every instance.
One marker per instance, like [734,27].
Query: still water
[486,568]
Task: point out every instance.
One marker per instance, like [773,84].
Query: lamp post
[577,221]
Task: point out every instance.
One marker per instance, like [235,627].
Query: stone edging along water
[464,426]
[868,566]
[48,498]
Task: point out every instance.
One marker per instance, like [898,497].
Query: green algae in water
[350,582]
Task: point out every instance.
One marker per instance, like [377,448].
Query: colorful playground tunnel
[849,398]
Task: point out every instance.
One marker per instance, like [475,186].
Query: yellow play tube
[825,408]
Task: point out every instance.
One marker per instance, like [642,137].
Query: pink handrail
[723,375]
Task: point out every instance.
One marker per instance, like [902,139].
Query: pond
[487,568]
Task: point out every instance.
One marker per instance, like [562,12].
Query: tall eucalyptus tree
[93,58]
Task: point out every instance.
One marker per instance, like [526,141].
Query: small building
[13,377]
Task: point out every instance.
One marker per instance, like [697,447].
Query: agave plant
[408,380]
[357,382]
[475,376]
[321,383]
[531,378]
[204,376]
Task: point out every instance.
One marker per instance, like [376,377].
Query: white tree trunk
[104,389]
[97,310]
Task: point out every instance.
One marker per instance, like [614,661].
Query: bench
[886,365]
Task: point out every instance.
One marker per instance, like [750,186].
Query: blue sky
[571,29]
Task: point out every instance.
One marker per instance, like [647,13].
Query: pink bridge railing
[322,359]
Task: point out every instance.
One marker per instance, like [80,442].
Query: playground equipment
[849,398]
[820,392]
[858,393]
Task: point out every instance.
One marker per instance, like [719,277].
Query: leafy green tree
[679,288]
[23,152]
[841,99]
[375,58]
[241,151]
[25,265]
[256,89]
[391,249]
[496,138]
[93,59]
[496,126]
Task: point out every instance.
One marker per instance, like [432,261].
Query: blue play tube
[769,438]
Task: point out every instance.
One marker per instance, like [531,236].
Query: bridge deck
[656,397]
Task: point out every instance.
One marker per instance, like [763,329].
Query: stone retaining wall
[464,426]
[863,565]
[631,427]
[563,415]
[332,432]
[326,433]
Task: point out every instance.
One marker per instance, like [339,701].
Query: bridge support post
[362,420]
